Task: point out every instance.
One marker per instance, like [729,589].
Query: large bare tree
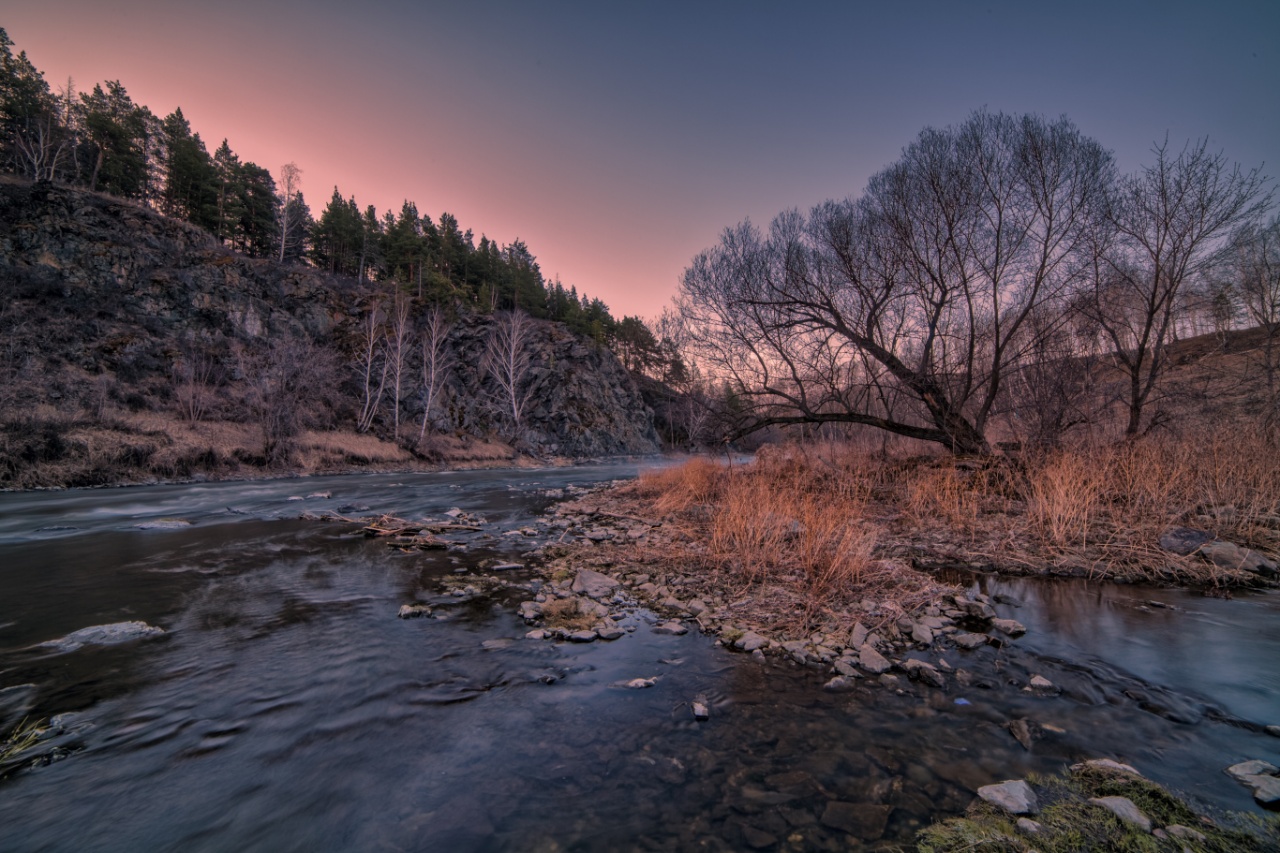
[907,308]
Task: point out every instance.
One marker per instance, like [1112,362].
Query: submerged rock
[672,628]
[104,635]
[413,611]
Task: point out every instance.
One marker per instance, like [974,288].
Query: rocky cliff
[105,302]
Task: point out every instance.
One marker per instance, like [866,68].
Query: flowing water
[287,708]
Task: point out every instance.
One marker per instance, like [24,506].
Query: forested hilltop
[102,141]
[172,313]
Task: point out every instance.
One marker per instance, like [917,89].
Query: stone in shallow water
[164,524]
[1251,768]
[864,820]
[971,641]
[1039,682]
[104,635]
[413,611]
[1123,808]
[672,628]
[872,661]
[1012,627]
[1014,796]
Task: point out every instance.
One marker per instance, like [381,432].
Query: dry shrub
[778,520]
[942,493]
[1064,493]
[678,489]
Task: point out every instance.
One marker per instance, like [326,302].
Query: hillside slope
[134,346]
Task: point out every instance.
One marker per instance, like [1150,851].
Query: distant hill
[134,346]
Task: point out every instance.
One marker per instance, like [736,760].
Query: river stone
[971,641]
[857,635]
[757,839]
[1012,627]
[976,609]
[1266,789]
[1230,556]
[750,641]
[1105,764]
[845,668]
[594,584]
[863,820]
[1022,732]
[1014,796]
[1028,826]
[1274,731]
[673,628]
[1184,540]
[104,635]
[872,661]
[586,636]
[1241,771]
[610,632]
[529,610]
[1123,808]
[1186,833]
[164,524]
[1039,682]
[922,671]
[701,711]
[413,611]
[839,684]
[922,634]
[537,634]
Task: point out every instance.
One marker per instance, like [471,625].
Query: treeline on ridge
[102,141]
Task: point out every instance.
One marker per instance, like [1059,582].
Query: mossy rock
[1069,823]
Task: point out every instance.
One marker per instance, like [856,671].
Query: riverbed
[286,707]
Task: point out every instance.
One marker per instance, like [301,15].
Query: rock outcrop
[101,298]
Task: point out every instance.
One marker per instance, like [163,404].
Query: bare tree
[196,372]
[437,363]
[905,309]
[399,344]
[282,384]
[372,365]
[1168,226]
[507,361]
[1256,264]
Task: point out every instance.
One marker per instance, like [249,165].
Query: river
[287,708]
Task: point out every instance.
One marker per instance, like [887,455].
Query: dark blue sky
[618,139]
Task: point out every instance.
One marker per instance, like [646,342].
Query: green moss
[1070,823]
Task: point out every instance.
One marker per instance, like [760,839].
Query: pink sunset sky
[618,140]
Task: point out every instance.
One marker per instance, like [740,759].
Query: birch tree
[371,364]
[507,361]
[437,363]
[399,345]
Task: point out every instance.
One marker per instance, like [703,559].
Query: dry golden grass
[792,529]
[825,520]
